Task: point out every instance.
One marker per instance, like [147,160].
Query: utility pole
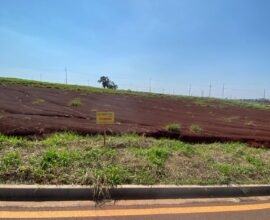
[202,93]
[40,77]
[223,90]
[264,94]
[66,74]
[210,89]
[189,90]
[150,89]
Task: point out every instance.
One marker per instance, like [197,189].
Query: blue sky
[175,43]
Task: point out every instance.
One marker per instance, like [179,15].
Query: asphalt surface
[258,209]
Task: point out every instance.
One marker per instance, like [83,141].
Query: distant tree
[104,80]
[107,83]
[112,85]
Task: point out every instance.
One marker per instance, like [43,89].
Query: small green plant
[54,157]
[75,102]
[188,150]
[10,160]
[173,128]
[195,129]
[113,174]
[225,169]
[255,161]
[97,154]
[157,156]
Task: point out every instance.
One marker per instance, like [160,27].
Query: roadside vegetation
[67,158]
[203,102]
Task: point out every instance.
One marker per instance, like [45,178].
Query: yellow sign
[105,118]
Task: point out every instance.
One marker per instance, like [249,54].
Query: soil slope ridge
[33,110]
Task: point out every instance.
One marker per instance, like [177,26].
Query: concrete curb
[128,192]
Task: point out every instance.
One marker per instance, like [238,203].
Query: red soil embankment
[29,110]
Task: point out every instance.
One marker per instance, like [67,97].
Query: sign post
[105,118]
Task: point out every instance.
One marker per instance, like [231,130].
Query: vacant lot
[67,158]
[34,108]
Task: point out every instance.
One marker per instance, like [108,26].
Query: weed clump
[75,102]
[173,128]
[195,129]
[10,161]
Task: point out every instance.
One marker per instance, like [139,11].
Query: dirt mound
[30,110]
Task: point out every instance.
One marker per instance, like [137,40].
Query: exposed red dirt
[22,113]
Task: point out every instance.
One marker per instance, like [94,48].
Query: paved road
[221,210]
